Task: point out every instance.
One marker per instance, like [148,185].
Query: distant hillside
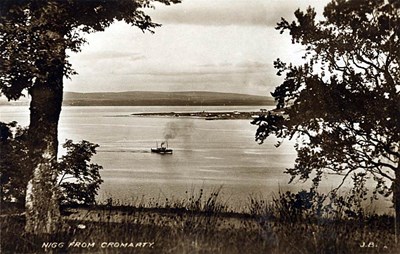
[140,98]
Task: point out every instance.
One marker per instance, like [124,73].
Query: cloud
[245,67]
[112,55]
[253,65]
[191,73]
[228,12]
[221,45]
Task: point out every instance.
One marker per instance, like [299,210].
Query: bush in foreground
[79,180]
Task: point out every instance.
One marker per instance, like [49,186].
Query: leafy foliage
[314,206]
[343,104]
[79,179]
[85,176]
[14,173]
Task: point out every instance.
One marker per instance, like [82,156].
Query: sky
[203,45]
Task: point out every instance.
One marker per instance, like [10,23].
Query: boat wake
[124,151]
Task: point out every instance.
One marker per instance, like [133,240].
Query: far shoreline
[207,115]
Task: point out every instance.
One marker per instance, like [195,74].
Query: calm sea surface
[207,154]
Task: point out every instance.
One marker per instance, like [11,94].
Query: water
[207,154]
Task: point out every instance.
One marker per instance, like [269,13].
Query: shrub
[14,162]
[79,180]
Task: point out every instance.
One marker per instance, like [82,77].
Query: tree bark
[396,201]
[42,206]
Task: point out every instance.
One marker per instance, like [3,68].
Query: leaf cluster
[14,173]
[80,180]
[343,104]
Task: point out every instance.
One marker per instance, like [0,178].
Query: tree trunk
[396,201]
[42,206]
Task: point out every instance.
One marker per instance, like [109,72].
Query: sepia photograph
[200,126]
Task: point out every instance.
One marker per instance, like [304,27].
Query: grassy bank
[202,224]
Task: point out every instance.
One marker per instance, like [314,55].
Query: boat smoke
[174,129]
[170,130]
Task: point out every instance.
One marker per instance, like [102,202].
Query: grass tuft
[202,223]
